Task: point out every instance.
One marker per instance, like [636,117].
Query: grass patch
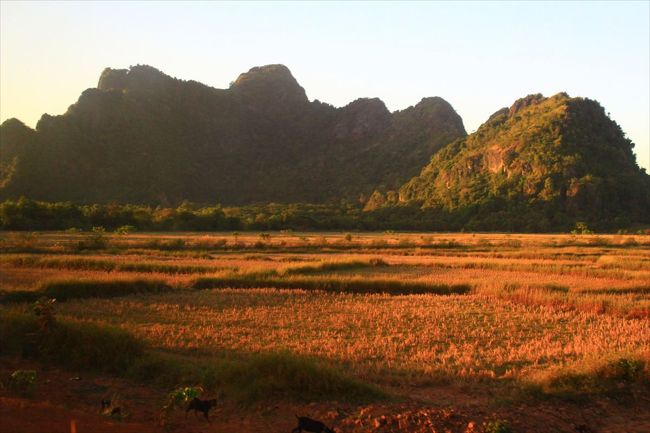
[82,346]
[85,264]
[73,289]
[334,266]
[249,378]
[614,377]
[349,285]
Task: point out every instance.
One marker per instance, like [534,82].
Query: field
[370,332]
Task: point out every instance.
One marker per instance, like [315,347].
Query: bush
[23,381]
[497,427]
[123,230]
[581,229]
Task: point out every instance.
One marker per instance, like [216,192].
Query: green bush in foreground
[23,381]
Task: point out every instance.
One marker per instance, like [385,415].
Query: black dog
[310,425]
[198,405]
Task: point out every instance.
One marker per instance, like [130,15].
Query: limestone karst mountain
[144,137]
[559,157]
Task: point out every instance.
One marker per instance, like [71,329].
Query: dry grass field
[514,319]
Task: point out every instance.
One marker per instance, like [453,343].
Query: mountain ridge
[143,136]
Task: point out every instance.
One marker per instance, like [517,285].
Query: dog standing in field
[310,425]
[198,405]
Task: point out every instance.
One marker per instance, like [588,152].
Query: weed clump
[23,382]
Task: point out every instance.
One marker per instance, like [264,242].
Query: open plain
[368,332]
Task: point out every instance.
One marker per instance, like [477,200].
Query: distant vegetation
[25,214]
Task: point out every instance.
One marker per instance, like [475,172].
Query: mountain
[144,137]
[556,160]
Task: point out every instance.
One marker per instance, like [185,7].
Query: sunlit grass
[528,309]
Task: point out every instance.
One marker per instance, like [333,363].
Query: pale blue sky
[478,56]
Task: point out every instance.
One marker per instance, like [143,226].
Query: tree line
[32,215]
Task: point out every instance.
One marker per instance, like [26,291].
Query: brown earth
[63,398]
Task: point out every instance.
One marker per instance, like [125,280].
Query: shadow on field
[245,377]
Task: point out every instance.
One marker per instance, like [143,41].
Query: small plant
[44,309]
[23,381]
[96,240]
[378,262]
[265,237]
[581,229]
[172,245]
[124,230]
[623,369]
[497,427]
[176,399]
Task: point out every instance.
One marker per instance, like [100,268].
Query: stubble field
[355,318]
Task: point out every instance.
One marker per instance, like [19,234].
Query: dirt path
[62,397]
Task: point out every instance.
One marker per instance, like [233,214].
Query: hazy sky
[478,56]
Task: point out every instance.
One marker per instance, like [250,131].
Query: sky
[479,56]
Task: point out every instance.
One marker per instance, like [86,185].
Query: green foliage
[610,377]
[581,229]
[497,427]
[539,165]
[23,381]
[177,399]
[124,230]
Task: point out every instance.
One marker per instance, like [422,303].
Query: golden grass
[538,304]
[425,335]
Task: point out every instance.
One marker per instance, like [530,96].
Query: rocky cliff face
[560,154]
[142,136]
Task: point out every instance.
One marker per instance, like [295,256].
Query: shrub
[23,381]
[581,229]
[176,399]
[123,230]
[497,427]
[623,369]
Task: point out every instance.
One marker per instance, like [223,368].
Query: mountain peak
[526,101]
[271,83]
[560,155]
[139,77]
